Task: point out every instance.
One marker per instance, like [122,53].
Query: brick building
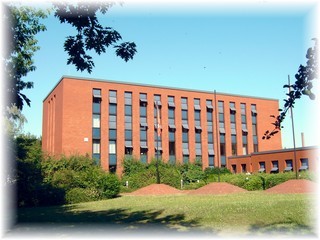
[275,161]
[110,119]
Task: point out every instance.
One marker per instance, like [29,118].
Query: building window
[209,105]
[96,105]
[128,110]
[275,167]
[96,125]
[234,168]
[244,129]
[197,104]
[172,128]
[232,106]
[289,166]
[243,168]
[128,123]
[244,144]
[96,151]
[209,116]
[112,109]
[143,154]
[185,158]
[254,127]
[143,99]
[184,114]
[185,136]
[222,134]
[143,128]
[171,103]
[211,161]
[223,150]
[234,145]
[262,167]
[112,156]
[112,130]
[157,125]
[198,129]
[112,134]
[209,109]
[185,129]
[172,147]
[197,115]
[96,92]
[304,164]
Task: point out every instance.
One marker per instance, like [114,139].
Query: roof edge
[55,86]
[277,151]
[154,86]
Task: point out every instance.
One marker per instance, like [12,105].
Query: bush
[109,185]
[194,185]
[139,179]
[132,166]
[253,183]
[170,175]
[192,172]
[79,172]
[216,171]
[77,195]
[272,180]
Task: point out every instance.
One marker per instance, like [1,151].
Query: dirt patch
[156,189]
[218,188]
[294,186]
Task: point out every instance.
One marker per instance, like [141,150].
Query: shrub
[272,180]
[234,179]
[194,185]
[192,172]
[79,172]
[77,195]
[253,183]
[132,166]
[139,179]
[216,170]
[170,175]
[109,186]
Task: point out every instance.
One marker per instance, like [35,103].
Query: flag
[158,120]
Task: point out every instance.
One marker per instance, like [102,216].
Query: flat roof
[277,151]
[153,86]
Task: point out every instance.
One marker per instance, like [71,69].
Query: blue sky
[246,49]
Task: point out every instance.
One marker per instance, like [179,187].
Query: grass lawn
[253,213]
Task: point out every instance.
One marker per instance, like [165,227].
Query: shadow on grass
[289,227]
[120,220]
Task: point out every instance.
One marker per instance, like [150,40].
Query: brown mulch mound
[156,189]
[218,188]
[294,186]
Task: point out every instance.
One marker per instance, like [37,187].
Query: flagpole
[158,137]
[217,131]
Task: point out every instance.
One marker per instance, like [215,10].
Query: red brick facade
[68,121]
[306,159]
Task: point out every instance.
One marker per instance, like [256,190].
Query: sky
[248,48]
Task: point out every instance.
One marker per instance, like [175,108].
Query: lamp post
[217,132]
[158,137]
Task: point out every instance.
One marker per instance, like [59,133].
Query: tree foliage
[91,35]
[24,23]
[14,121]
[302,86]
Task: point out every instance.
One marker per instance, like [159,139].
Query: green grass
[246,214]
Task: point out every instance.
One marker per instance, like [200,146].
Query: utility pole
[158,138]
[217,132]
[293,135]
